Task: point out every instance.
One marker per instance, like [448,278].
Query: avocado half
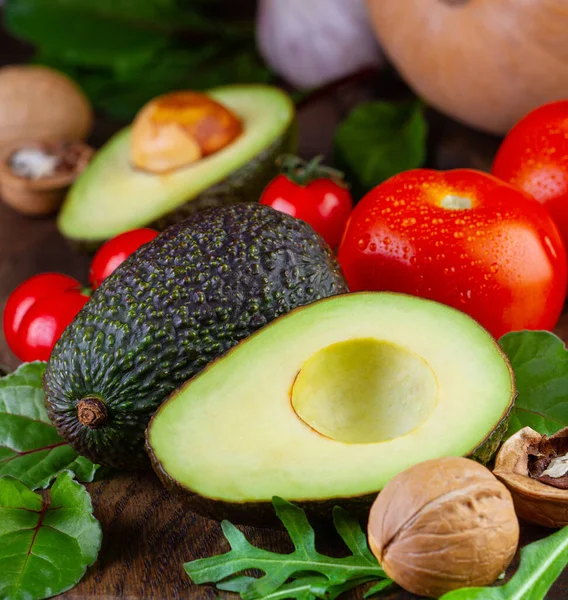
[326,404]
[111,197]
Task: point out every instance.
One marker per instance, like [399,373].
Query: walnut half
[35,175]
[535,469]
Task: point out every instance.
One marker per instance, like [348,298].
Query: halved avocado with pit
[111,196]
[325,405]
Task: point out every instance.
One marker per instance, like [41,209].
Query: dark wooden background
[148,535]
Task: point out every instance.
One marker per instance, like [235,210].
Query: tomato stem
[304,172]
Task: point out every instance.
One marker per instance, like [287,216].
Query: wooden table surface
[147,534]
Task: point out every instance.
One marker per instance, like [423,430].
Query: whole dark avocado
[175,305]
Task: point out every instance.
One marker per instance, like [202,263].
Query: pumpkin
[484,62]
[37,103]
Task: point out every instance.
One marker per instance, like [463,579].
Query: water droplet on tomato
[550,246]
[458,234]
[363,242]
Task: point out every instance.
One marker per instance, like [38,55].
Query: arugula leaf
[301,589]
[542,563]
[30,447]
[379,140]
[335,574]
[379,587]
[304,588]
[45,547]
[540,363]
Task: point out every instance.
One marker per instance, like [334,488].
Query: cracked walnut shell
[535,469]
[442,525]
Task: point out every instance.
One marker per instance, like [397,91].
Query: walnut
[442,525]
[178,129]
[535,469]
[35,176]
[39,104]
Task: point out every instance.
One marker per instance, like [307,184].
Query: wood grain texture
[147,534]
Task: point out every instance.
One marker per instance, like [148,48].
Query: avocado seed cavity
[176,130]
[364,391]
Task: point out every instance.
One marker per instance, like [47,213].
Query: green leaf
[125,52]
[540,363]
[379,140]
[121,90]
[45,547]
[336,591]
[379,587]
[30,447]
[301,589]
[81,31]
[541,564]
[304,588]
[333,573]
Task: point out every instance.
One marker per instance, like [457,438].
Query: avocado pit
[364,391]
[178,129]
[92,412]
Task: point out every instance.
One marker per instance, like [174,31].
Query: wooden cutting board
[147,534]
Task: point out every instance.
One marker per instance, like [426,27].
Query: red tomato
[116,251]
[25,296]
[534,157]
[323,203]
[462,238]
[45,321]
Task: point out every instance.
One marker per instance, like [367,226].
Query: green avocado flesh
[175,305]
[111,197]
[331,401]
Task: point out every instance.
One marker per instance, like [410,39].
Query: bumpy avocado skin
[175,305]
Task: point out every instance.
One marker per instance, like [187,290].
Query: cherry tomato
[462,238]
[323,203]
[115,252]
[45,321]
[534,157]
[25,296]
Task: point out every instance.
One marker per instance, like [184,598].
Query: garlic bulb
[312,42]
